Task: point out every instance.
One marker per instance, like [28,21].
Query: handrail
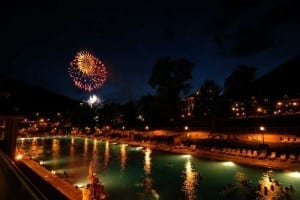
[32,190]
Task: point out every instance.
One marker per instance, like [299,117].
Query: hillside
[19,97]
[281,81]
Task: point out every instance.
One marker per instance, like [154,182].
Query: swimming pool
[131,172]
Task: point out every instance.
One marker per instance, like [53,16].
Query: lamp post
[186,128]
[262,129]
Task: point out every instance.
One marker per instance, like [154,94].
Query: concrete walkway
[61,185]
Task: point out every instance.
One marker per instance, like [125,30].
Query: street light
[262,129]
[186,128]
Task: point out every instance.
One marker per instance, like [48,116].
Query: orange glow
[106,154]
[190,182]
[123,154]
[147,161]
[19,157]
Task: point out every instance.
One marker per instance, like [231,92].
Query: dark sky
[40,38]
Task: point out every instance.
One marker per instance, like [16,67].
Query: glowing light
[228,163]
[94,100]
[123,154]
[80,184]
[190,182]
[19,157]
[87,71]
[147,161]
[106,154]
[294,174]
[186,156]
[138,148]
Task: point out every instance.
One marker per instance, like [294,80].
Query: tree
[111,114]
[206,104]
[237,86]
[239,82]
[169,77]
[146,107]
[129,114]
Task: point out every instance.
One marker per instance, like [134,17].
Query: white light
[294,174]
[94,101]
[138,148]
[186,156]
[228,163]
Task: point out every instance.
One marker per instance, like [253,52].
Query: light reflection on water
[141,173]
[123,154]
[191,181]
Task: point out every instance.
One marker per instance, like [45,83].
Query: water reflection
[95,151]
[147,161]
[55,152]
[269,188]
[72,153]
[106,154]
[123,153]
[149,190]
[85,150]
[95,146]
[191,180]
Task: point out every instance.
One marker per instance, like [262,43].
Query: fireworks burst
[87,71]
[95,101]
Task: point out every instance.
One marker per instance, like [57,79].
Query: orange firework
[87,71]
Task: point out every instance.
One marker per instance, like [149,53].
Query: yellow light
[19,157]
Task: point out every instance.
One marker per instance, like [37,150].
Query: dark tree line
[170,79]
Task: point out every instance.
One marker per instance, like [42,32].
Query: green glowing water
[141,173]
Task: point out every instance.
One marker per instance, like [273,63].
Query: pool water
[129,172]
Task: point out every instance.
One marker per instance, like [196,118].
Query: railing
[14,184]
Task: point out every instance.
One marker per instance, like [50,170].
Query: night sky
[40,38]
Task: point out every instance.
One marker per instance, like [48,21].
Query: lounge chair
[254,154]
[283,157]
[273,155]
[244,153]
[213,149]
[262,155]
[292,157]
[234,152]
[249,153]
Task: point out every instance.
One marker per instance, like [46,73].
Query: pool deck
[61,185]
[285,165]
